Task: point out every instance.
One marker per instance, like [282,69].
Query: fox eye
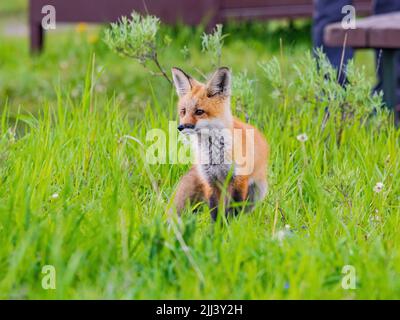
[199,112]
[183,111]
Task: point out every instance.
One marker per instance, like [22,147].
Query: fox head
[203,105]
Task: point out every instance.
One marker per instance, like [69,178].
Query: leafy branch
[136,38]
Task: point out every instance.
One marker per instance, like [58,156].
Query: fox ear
[220,83]
[182,81]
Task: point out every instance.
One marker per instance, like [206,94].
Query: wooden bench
[376,32]
[191,12]
[275,9]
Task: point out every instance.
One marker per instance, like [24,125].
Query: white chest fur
[213,152]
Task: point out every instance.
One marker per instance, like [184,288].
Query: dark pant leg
[326,12]
[380,7]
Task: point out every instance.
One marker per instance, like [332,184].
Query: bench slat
[379,31]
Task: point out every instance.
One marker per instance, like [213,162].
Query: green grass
[13,7]
[63,131]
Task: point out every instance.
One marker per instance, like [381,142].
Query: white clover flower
[275,94]
[11,135]
[376,218]
[302,137]
[280,235]
[379,187]
[54,196]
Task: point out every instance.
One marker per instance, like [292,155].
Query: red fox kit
[228,152]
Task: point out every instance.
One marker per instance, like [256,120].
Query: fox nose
[185,126]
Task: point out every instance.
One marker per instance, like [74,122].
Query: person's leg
[326,12]
[380,7]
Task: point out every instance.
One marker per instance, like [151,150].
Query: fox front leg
[235,204]
[213,204]
[238,191]
[189,191]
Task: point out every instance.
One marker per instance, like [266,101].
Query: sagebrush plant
[243,98]
[212,44]
[316,90]
[76,193]
[136,38]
